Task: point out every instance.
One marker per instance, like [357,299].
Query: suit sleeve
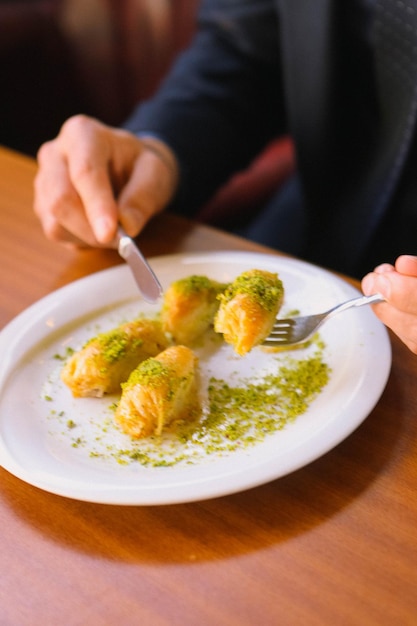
[222,101]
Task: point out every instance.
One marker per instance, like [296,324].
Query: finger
[87,145]
[399,290]
[406,264]
[57,203]
[384,268]
[96,194]
[404,325]
[150,188]
[54,194]
[398,313]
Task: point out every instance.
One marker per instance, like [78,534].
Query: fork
[286,332]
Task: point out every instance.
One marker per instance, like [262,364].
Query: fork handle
[361,301]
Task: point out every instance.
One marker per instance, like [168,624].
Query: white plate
[35,408]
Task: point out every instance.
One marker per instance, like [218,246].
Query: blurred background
[101,57]
[61,57]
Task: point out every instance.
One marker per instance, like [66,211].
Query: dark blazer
[340,76]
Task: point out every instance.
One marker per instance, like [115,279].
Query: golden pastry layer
[189,307]
[248,309]
[159,392]
[106,360]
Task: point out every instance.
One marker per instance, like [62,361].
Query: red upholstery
[101,57]
[252,188]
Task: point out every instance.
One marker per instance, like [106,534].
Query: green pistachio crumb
[196,284]
[266,290]
[147,373]
[115,343]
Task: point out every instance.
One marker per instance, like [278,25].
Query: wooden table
[332,543]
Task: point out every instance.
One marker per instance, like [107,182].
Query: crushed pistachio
[62,357]
[196,283]
[78,442]
[238,416]
[147,373]
[115,343]
[265,287]
[249,412]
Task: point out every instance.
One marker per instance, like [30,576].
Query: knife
[148,284]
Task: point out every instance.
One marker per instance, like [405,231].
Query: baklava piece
[160,392]
[108,359]
[189,307]
[248,309]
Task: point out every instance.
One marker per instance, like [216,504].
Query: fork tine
[296,330]
[282,327]
[280,333]
[274,340]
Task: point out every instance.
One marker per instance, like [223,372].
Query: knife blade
[148,284]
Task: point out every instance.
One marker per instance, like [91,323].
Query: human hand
[398,285]
[93,176]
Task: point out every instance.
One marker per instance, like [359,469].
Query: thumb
[407,265]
